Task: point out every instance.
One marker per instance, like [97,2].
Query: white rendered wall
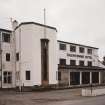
[63,54]
[31,53]
[8,65]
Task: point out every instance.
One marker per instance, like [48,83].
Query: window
[89,51]
[27,75]
[7,57]
[6,37]
[7,77]
[62,46]
[72,62]
[17,56]
[59,75]
[81,50]
[89,63]
[72,48]
[81,63]
[63,61]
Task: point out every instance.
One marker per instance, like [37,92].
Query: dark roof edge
[25,23]
[1,29]
[80,67]
[77,44]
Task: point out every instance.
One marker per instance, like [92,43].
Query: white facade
[25,68]
[79,64]
[7,60]
[28,45]
[68,55]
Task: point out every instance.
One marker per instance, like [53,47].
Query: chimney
[14,24]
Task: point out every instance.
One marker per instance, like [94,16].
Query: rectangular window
[7,56]
[6,37]
[89,51]
[62,61]
[89,63]
[81,63]
[72,62]
[7,77]
[27,75]
[17,56]
[59,75]
[62,46]
[81,50]
[72,48]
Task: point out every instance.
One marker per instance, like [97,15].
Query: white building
[31,55]
[37,56]
[79,65]
[7,59]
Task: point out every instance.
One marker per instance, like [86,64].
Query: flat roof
[1,29]
[77,44]
[77,67]
[25,23]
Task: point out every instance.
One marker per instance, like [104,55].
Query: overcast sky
[78,21]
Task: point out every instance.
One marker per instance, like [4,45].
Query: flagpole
[44,23]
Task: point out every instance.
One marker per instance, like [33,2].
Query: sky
[77,21]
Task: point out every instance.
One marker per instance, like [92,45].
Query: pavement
[57,97]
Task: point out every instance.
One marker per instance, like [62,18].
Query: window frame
[62,46]
[59,75]
[5,38]
[17,56]
[89,52]
[80,50]
[80,64]
[61,59]
[8,57]
[28,76]
[73,64]
[72,48]
[90,65]
[7,78]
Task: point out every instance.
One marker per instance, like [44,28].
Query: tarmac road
[58,97]
[100,100]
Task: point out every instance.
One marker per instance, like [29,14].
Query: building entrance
[85,77]
[74,78]
[95,77]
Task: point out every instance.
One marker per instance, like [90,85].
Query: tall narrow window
[5,77]
[17,56]
[59,75]
[45,61]
[7,56]
[9,77]
[27,75]
[89,63]
[6,37]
